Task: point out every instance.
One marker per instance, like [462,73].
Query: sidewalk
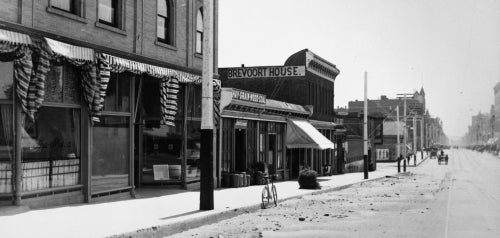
[160,215]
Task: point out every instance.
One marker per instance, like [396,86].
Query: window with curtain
[51,143]
[164,31]
[71,6]
[7,123]
[110,12]
[199,31]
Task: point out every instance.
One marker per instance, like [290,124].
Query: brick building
[99,97]
[306,80]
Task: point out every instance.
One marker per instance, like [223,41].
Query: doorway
[240,158]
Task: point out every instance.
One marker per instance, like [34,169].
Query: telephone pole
[365,131]
[207,112]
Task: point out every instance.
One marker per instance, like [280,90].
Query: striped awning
[14,37]
[120,64]
[301,134]
[71,51]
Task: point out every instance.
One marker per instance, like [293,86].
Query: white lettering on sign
[249,96]
[267,71]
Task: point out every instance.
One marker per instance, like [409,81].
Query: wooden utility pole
[365,131]
[207,120]
[398,146]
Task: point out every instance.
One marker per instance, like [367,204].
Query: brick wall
[138,35]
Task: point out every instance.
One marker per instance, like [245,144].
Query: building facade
[416,119]
[306,80]
[99,97]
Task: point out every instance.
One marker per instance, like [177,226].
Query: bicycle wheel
[265,197]
[275,195]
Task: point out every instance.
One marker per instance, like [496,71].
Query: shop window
[6,149]
[70,6]
[165,22]
[194,102]
[199,31]
[111,13]
[110,153]
[162,144]
[51,149]
[193,149]
[6,80]
[62,85]
[118,93]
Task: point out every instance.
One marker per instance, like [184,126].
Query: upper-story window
[164,31]
[110,13]
[199,31]
[70,6]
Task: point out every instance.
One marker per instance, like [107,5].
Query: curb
[180,226]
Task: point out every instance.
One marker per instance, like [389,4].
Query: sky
[451,48]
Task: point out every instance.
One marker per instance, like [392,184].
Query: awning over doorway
[301,134]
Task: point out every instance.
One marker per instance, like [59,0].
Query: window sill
[164,45]
[198,55]
[110,28]
[68,15]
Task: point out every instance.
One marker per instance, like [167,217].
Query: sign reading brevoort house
[266,71]
[249,96]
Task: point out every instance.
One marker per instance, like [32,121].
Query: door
[272,153]
[240,150]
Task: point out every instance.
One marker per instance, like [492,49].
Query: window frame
[199,12]
[77,13]
[170,23]
[119,15]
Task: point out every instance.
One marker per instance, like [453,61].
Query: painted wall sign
[266,71]
[249,96]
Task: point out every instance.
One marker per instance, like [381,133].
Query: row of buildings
[421,130]
[484,130]
[102,97]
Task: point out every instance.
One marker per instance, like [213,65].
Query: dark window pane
[118,93]
[194,102]
[110,153]
[6,79]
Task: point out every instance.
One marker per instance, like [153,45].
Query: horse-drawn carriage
[442,158]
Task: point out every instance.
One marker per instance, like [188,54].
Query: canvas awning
[301,134]
[71,51]
[14,37]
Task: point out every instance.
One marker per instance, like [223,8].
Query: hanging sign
[240,124]
[266,72]
[249,96]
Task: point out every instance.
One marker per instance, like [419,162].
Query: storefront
[79,124]
[259,134]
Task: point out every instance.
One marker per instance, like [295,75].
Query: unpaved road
[461,199]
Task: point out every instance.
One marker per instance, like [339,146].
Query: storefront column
[19,120]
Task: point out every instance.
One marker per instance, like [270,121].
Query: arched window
[164,31]
[199,31]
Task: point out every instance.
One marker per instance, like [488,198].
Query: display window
[162,145]
[51,142]
[111,138]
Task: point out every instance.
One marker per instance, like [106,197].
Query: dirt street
[378,208]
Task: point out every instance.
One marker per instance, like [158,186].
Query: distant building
[306,80]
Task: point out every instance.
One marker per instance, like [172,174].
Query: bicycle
[268,194]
